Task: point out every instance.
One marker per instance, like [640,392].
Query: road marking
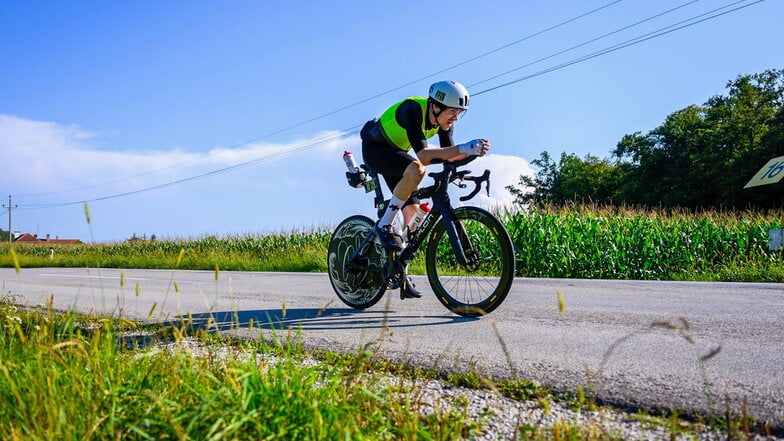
[75,276]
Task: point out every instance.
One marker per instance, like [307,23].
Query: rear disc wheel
[358,284]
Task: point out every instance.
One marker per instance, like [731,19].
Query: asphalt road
[638,344]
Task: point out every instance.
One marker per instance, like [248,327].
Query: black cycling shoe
[409,291]
[389,239]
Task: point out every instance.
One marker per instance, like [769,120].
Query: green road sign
[771,173]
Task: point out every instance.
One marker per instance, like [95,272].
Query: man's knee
[416,170]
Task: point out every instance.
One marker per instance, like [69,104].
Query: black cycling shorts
[388,161]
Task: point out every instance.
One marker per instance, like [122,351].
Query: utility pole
[10,206]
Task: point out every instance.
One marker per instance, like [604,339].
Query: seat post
[380,202]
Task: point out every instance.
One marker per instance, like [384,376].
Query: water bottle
[351,163]
[356,176]
[419,216]
[397,222]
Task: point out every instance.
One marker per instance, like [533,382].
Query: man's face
[448,117]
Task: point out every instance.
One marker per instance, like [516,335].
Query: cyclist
[406,126]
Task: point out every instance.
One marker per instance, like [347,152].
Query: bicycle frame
[468,256]
[442,208]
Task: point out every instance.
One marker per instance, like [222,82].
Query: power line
[351,131]
[203,175]
[631,42]
[346,107]
[589,42]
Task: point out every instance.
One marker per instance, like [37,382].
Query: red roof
[33,238]
[27,237]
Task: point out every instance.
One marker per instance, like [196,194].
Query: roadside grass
[763,272]
[70,377]
[62,378]
[74,377]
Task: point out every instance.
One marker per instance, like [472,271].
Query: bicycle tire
[475,291]
[357,288]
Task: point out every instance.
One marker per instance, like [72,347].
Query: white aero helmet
[449,94]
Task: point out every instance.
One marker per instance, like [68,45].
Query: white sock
[394,207]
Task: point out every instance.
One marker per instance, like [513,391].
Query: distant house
[33,238]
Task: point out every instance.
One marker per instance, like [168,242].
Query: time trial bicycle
[469,256]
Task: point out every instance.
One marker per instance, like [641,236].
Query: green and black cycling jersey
[405,125]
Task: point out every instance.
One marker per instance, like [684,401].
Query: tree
[540,184]
[699,157]
[570,179]
[741,122]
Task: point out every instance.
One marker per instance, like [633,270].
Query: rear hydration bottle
[355,175]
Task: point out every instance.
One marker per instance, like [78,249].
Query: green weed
[61,379]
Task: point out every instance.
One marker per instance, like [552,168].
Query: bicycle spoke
[472,289]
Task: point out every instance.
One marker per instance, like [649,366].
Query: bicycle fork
[461,244]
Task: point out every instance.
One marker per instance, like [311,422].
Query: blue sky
[184,119]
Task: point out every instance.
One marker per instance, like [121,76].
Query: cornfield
[606,243]
[571,242]
[303,251]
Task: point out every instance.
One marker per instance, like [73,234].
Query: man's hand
[477,147]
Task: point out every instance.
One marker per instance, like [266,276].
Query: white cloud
[51,157]
[322,143]
[505,170]
[261,186]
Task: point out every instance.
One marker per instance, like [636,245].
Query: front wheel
[480,285]
[360,283]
